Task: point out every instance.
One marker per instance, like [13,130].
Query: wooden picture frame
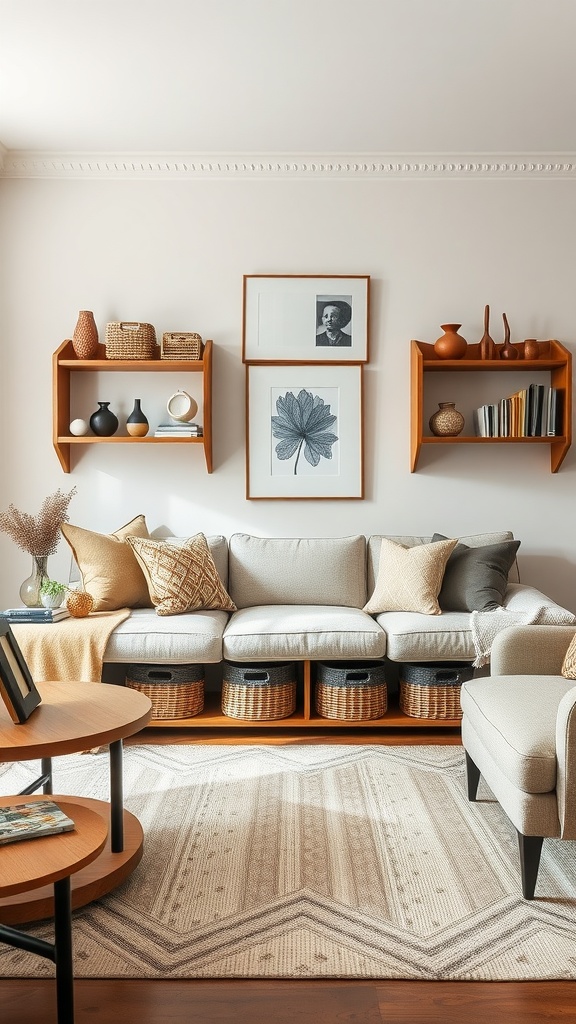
[305,318]
[17,687]
[285,460]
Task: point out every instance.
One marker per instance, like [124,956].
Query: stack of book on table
[178,430]
[35,614]
[32,820]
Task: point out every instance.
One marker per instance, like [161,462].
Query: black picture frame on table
[17,687]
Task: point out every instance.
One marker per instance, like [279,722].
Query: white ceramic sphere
[78,428]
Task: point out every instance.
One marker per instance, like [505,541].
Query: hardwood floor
[298,1002]
[293,1002]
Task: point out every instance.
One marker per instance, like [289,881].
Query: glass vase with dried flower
[38,535]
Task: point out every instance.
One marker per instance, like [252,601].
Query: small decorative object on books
[181,346]
[52,593]
[137,425]
[446,421]
[488,348]
[450,345]
[17,687]
[32,820]
[130,340]
[85,337]
[182,407]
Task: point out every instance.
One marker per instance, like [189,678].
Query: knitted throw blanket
[69,650]
[486,625]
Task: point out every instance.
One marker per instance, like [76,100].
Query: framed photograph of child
[306,319]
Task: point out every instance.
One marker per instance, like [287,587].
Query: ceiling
[288,76]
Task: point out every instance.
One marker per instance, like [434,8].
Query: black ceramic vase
[103,422]
[137,424]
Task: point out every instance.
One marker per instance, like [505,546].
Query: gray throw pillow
[475,579]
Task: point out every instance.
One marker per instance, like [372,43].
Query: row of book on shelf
[535,411]
[178,430]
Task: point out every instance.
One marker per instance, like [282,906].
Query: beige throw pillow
[409,578]
[109,568]
[181,578]
[569,664]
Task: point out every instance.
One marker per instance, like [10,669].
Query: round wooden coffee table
[73,717]
[52,860]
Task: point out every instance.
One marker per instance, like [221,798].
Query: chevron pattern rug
[313,862]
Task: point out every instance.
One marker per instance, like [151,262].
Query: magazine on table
[32,820]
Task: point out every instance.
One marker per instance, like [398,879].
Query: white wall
[173,254]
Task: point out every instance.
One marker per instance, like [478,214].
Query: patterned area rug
[313,862]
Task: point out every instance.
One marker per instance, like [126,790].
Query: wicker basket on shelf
[351,691]
[176,691]
[130,340]
[181,346]
[432,689]
[258,693]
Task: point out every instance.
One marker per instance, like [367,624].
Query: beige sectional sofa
[303,599]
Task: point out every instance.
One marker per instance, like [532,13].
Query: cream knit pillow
[409,578]
[568,669]
[181,578]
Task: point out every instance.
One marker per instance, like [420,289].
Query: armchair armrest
[530,650]
[566,764]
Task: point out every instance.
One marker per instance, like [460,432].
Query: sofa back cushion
[290,570]
[475,541]
[218,547]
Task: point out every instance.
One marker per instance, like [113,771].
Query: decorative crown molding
[188,166]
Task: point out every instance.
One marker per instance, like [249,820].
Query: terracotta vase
[85,337]
[447,421]
[507,351]
[488,348]
[450,345]
[531,349]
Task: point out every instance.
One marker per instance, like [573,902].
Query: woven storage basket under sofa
[176,691]
[258,693]
[352,691]
[432,689]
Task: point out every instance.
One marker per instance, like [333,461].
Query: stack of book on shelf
[535,411]
[35,614]
[32,820]
[178,430]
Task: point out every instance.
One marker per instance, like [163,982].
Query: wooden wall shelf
[554,358]
[64,363]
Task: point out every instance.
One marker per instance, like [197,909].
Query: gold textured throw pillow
[181,578]
[109,568]
[569,664]
[409,579]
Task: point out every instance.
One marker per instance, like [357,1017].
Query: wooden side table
[52,860]
[73,717]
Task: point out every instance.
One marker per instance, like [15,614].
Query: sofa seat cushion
[300,632]
[412,636]
[500,710]
[148,639]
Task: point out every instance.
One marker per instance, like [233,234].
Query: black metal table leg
[44,780]
[116,798]
[63,951]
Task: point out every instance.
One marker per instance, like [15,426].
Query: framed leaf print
[304,431]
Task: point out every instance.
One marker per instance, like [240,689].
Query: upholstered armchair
[519,734]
